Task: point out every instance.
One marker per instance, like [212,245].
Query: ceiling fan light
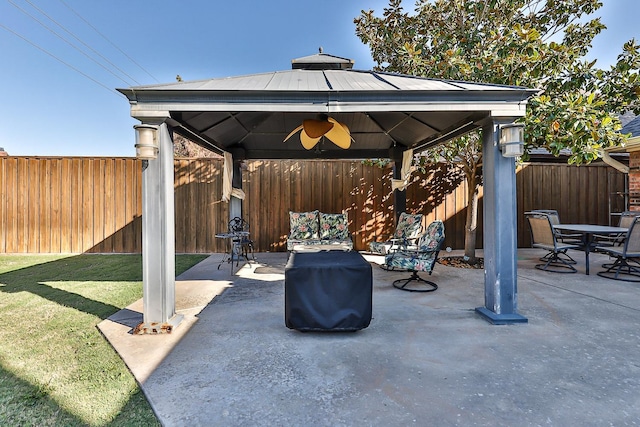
[316,128]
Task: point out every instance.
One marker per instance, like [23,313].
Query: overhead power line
[60,60]
[85,44]
[109,41]
[68,42]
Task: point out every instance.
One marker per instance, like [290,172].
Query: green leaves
[575,123]
[532,43]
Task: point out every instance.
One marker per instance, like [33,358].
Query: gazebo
[249,117]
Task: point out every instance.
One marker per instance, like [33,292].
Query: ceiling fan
[312,130]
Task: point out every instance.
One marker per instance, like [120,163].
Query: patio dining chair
[570,238]
[562,236]
[242,243]
[407,233]
[626,266]
[422,258]
[626,219]
[544,237]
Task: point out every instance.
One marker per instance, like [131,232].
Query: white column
[158,240]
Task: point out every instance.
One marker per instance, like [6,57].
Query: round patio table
[588,231]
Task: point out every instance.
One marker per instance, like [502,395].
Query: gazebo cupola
[321,61]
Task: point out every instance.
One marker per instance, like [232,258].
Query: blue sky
[49,109]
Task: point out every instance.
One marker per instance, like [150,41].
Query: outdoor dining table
[588,232]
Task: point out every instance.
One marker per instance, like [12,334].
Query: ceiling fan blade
[316,128]
[347,129]
[292,132]
[339,135]
[307,141]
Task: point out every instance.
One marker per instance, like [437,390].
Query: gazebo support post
[235,204]
[399,197]
[158,240]
[500,231]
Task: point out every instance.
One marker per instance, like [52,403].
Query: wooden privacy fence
[74,205]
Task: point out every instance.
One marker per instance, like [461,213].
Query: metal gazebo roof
[250,116]
[253,114]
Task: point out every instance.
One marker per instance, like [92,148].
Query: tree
[533,43]
[182,147]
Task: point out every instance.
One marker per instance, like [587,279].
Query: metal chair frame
[575,239]
[543,236]
[626,266]
[419,252]
[626,219]
[240,243]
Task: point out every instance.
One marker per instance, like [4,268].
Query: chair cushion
[412,261]
[409,226]
[424,258]
[432,237]
[334,226]
[303,225]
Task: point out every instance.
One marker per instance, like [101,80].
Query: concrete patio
[426,359]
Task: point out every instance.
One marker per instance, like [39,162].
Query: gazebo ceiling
[252,115]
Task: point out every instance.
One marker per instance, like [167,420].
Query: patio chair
[544,237]
[575,239]
[407,232]
[423,258]
[626,266]
[555,220]
[242,243]
[626,219]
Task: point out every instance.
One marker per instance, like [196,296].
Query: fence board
[44,205]
[94,205]
[23,204]
[86,217]
[11,201]
[98,206]
[129,205]
[56,198]
[190,200]
[3,208]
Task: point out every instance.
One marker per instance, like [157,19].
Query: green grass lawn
[56,368]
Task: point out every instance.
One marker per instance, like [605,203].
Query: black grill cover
[327,291]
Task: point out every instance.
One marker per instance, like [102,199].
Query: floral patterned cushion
[411,261]
[432,237]
[303,225]
[425,257]
[334,226]
[409,226]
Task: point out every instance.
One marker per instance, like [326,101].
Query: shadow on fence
[75,205]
